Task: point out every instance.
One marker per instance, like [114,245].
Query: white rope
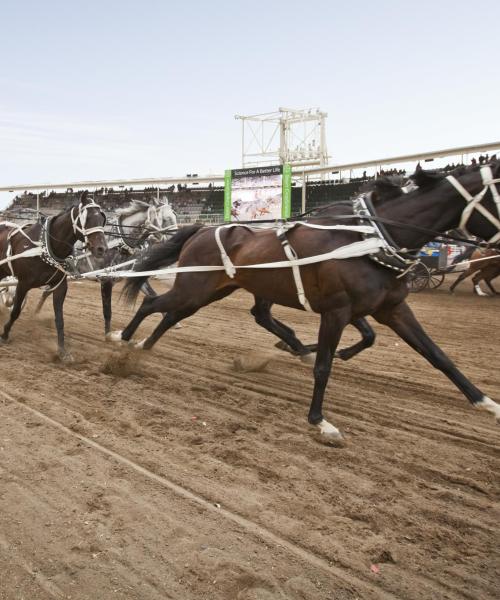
[26,254]
[474,260]
[354,250]
[107,271]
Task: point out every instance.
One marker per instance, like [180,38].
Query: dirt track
[187,480]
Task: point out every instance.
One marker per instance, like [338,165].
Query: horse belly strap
[293,257]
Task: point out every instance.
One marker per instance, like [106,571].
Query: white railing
[297,171]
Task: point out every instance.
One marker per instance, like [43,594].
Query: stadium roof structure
[299,171]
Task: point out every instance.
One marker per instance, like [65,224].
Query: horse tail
[159,255]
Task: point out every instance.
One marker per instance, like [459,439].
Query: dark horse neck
[438,209]
[61,234]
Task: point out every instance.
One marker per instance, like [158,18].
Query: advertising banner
[259,193]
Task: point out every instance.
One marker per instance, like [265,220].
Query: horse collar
[390,254]
[48,255]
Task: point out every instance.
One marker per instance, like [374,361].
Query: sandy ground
[170,475]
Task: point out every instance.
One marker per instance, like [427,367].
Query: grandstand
[204,204]
[196,198]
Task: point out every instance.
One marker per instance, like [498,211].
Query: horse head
[88,224]
[168,218]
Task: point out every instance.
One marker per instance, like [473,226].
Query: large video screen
[257,194]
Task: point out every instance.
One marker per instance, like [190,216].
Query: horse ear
[84,197]
[495,166]
[425,178]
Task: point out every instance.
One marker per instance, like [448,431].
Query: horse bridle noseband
[81,217]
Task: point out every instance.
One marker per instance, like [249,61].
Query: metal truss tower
[296,137]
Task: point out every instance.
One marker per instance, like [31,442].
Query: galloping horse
[341,291]
[482,270]
[44,249]
[139,224]
[151,220]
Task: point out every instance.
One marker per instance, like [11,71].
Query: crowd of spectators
[207,202]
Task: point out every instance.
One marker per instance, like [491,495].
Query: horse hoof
[308,359]
[66,358]
[329,434]
[281,345]
[489,405]
[138,345]
[3,341]
[114,336]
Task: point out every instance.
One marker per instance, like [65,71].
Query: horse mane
[426,179]
[132,208]
[384,188]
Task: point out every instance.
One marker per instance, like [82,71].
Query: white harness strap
[9,255]
[474,202]
[226,261]
[355,249]
[293,261]
[292,256]
[231,269]
[82,217]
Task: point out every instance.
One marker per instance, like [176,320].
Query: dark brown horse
[341,291]
[46,247]
[139,225]
[481,270]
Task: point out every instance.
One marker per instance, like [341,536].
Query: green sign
[286,187]
[227,195]
[258,193]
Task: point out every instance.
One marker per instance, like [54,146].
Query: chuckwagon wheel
[436,278]
[418,278]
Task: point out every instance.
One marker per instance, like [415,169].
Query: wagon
[436,260]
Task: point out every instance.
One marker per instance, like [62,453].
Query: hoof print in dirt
[121,364]
[250,363]
[333,442]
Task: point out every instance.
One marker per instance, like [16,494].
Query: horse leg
[106,294]
[58,298]
[488,274]
[149,306]
[477,288]
[261,311]
[367,340]
[175,306]
[459,279]
[42,300]
[488,281]
[362,325]
[147,290]
[402,321]
[15,312]
[330,331]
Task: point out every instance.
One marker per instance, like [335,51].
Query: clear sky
[107,89]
